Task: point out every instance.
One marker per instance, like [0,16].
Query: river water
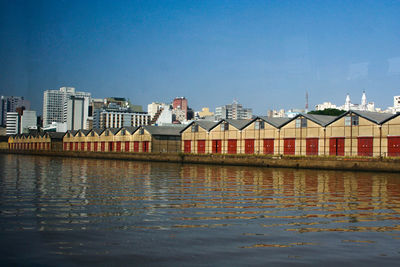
[66,211]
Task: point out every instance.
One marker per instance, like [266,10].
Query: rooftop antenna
[306,101]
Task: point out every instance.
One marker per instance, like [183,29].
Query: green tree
[328,111]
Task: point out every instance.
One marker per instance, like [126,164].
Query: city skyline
[265,54]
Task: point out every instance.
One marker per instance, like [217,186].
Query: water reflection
[227,208]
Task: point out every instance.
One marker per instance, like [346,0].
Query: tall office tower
[10,104]
[28,121]
[62,106]
[77,112]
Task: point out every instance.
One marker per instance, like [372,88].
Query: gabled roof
[276,122]
[97,130]
[84,132]
[322,120]
[239,124]
[375,117]
[114,130]
[131,129]
[72,132]
[164,130]
[206,125]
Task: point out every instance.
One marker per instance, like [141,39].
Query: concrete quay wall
[299,162]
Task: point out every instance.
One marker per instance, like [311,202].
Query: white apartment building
[58,106]
[233,111]
[117,119]
[12,123]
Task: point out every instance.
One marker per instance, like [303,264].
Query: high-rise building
[28,121]
[180,108]
[10,104]
[66,105]
[77,112]
[233,111]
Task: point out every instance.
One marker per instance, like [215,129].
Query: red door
[216,146]
[201,146]
[187,146]
[136,146]
[336,146]
[269,146]
[110,146]
[48,146]
[71,146]
[36,146]
[76,146]
[89,146]
[232,146]
[65,146]
[312,146]
[103,146]
[365,147]
[289,146]
[249,146]
[145,146]
[393,146]
[118,146]
[82,146]
[126,146]
[95,146]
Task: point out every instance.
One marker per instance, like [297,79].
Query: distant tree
[328,111]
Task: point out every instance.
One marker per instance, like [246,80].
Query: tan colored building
[359,133]
[390,137]
[36,141]
[304,135]
[226,137]
[261,136]
[205,112]
[195,137]
[69,141]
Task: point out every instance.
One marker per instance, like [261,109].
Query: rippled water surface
[62,211]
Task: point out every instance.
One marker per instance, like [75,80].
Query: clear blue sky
[266,54]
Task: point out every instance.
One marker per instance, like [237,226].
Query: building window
[354,120]
[92,133]
[351,120]
[259,125]
[123,132]
[301,123]
[79,134]
[68,135]
[224,126]
[107,133]
[195,128]
[347,121]
[141,131]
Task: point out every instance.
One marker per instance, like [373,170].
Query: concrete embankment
[316,162]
